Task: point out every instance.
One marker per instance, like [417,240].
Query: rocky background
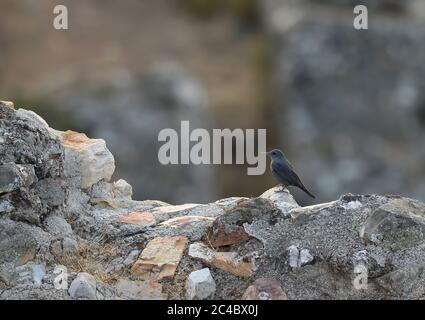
[347,106]
[68,232]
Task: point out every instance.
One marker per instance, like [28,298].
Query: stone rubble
[58,209]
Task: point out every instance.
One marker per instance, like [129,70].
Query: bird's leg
[283,187]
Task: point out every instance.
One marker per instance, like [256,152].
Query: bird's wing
[286,173]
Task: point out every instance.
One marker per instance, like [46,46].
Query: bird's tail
[306,191]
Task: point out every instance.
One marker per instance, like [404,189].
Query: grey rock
[200,285]
[57,226]
[69,246]
[407,282]
[14,176]
[116,195]
[298,258]
[395,231]
[31,273]
[131,258]
[20,242]
[293,259]
[305,257]
[5,206]
[83,287]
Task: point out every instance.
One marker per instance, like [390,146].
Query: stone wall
[67,232]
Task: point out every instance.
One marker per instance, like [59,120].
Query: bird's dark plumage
[283,171]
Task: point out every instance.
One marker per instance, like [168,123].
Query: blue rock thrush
[283,172]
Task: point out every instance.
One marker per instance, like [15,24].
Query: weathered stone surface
[186,222]
[57,226]
[264,289]
[14,176]
[227,261]
[30,273]
[8,104]
[298,258]
[392,230]
[144,219]
[281,198]
[161,257]
[403,282]
[116,195]
[140,290]
[228,229]
[69,246]
[200,285]
[20,242]
[96,162]
[83,287]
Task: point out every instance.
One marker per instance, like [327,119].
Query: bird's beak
[267,153]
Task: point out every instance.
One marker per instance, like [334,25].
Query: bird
[283,171]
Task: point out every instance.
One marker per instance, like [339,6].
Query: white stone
[116,195]
[293,256]
[281,198]
[200,285]
[299,258]
[57,226]
[352,205]
[31,273]
[96,162]
[305,257]
[83,286]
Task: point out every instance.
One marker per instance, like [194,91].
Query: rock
[293,260]
[298,258]
[116,195]
[8,104]
[264,289]
[140,290]
[393,231]
[31,273]
[144,219]
[228,228]
[20,242]
[6,206]
[227,261]
[131,258]
[200,285]
[282,199]
[83,287]
[57,226]
[14,176]
[38,273]
[96,162]
[186,222]
[305,257]
[161,257]
[69,246]
[408,282]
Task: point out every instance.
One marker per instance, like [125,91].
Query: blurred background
[346,106]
